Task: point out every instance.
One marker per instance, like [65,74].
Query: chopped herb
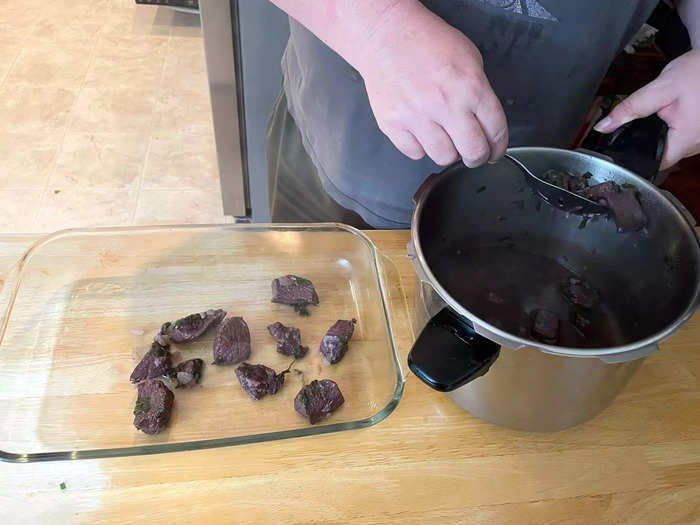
[142,406]
[304,282]
[63,485]
[315,387]
[302,309]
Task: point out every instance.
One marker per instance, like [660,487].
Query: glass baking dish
[82,306]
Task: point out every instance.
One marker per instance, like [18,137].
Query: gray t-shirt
[544,59]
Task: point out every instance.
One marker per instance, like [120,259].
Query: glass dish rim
[14,279]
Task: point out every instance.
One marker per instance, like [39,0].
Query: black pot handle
[637,146]
[449,353]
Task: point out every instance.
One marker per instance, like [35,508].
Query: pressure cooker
[489,253]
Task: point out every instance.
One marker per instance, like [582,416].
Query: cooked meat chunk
[188,373]
[318,399]
[288,340]
[153,406]
[334,344]
[545,326]
[259,380]
[232,342]
[189,328]
[623,205]
[156,362]
[580,293]
[294,291]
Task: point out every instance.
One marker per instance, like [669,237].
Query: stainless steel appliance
[488,253]
[187,6]
[243,43]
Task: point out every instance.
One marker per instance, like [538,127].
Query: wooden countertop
[637,462]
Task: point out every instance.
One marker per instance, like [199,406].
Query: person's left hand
[675,96]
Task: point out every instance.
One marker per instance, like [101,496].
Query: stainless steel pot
[485,248]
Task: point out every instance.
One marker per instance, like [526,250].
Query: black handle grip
[637,146]
[449,353]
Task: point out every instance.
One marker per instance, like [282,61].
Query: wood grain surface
[429,462]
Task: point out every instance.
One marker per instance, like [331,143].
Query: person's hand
[675,96]
[428,90]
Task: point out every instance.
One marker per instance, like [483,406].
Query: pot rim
[519,342]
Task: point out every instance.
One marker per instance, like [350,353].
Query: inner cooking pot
[489,253]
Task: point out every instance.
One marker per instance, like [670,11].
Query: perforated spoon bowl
[559,197]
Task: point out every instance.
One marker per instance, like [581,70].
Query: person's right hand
[428,90]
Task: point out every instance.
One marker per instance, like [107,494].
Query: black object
[449,353]
[334,344]
[190,4]
[637,146]
[288,340]
[672,39]
[232,342]
[153,407]
[157,362]
[259,380]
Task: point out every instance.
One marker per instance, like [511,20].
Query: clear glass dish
[82,307]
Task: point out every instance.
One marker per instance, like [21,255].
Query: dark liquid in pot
[504,286]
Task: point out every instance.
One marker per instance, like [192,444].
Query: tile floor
[104,117]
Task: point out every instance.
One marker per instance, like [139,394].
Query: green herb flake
[142,406]
[302,309]
[304,282]
[63,485]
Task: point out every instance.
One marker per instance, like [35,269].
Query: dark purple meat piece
[188,373]
[232,342]
[153,407]
[622,203]
[259,380]
[288,340]
[580,293]
[157,362]
[318,399]
[334,344]
[545,326]
[189,328]
[294,291]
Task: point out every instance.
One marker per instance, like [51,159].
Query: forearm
[689,11]
[347,26]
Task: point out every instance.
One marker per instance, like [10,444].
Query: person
[378,94]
